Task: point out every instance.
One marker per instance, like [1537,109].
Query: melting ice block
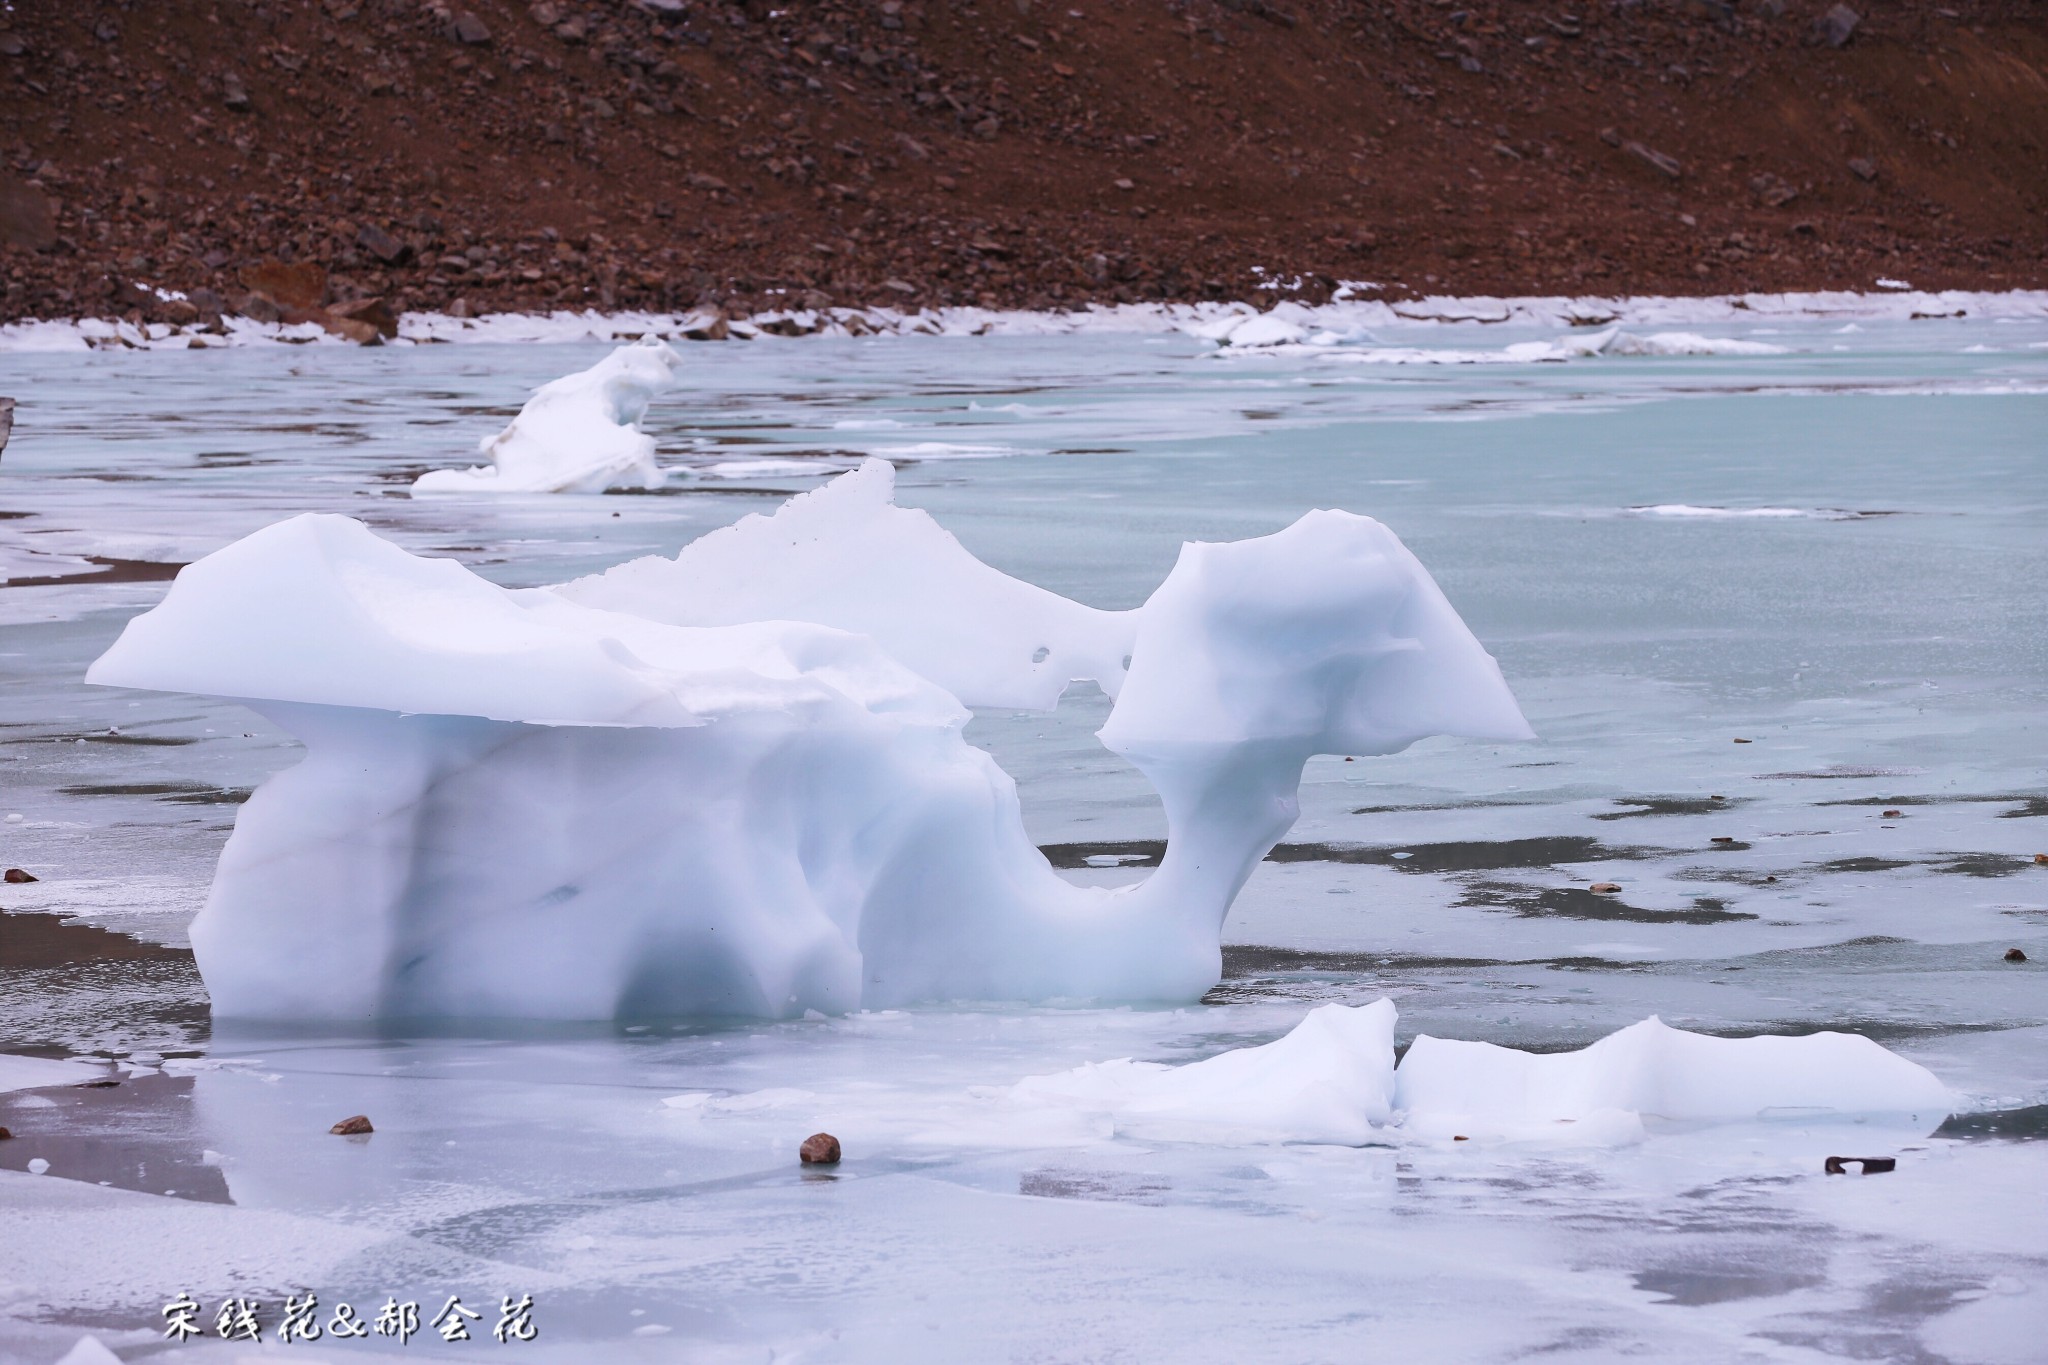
[1653,1071]
[1330,1079]
[845,555]
[551,804]
[577,434]
[1333,1079]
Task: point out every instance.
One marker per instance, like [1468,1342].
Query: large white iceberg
[577,434]
[1333,1079]
[549,804]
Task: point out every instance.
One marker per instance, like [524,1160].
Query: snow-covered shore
[1355,310]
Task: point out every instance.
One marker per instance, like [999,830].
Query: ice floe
[34,1073]
[577,434]
[1333,1079]
[544,804]
[1329,1079]
[1651,1071]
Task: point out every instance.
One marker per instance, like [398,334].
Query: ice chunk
[90,1350]
[845,555]
[1615,341]
[524,805]
[1330,1079]
[1654,1071]
[577,434]
[1687,343]
[1328,636]
[319,610]
[1333,1079]
[33,1073]
[1264,330]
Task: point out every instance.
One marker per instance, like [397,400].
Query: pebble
[1891,815]
[16,876]
[2015,955]
[1605,886]
[819,1149]
[1836,26]
[352,1127]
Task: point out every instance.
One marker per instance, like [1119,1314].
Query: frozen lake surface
[1781,622]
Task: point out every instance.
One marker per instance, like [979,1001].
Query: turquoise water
[1836,554]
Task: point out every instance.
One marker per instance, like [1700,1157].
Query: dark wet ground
[74,989]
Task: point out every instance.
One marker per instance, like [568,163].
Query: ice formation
[1333,1079]
[845,555]
[1651,1070]
[550,804]
[1330,1079]
[577,434]
[34,1073]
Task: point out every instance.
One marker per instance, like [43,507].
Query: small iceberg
[1653,1072]
[1332,1079]
[577,434]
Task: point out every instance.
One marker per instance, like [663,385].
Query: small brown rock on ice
[16,876]
[2015,955]
[1605,886]
[352,1127]
[820,1149]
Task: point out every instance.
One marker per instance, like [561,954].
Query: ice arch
[560,804]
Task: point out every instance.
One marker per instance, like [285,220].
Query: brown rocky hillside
[486,154]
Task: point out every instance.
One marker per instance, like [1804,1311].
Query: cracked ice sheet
[552,1167]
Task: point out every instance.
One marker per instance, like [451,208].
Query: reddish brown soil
[1015,152]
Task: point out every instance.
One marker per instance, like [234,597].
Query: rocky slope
[485,154]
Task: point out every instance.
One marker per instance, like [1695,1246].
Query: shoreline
[1357,307]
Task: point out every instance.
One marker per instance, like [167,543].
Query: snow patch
[1349,315]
